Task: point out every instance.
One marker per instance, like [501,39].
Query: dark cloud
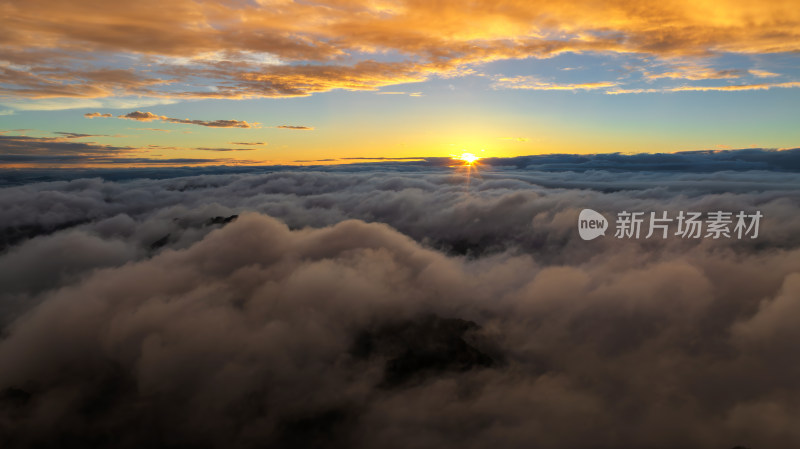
[212,124]
[248,143]
[224,149]
[39,174]
[64,159]
[42,146]
[64,151]
[77,135]
[302,128]
[396,305]
[598,169]
[149,116]
[142,116]
[683,161]
[383,158]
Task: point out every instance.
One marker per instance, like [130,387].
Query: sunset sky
[182,82]
[394,224]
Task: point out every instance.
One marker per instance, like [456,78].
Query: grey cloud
[296,127]
[77,135]
[596,166]
[383,158]
[27,145]
[694,161]
[64,150]
[224,149]
[212,124]
[149,116]
[142,116]
[253,332]
[84,159]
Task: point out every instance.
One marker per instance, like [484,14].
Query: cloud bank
[66,151]
[395,306]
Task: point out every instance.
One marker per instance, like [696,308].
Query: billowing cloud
[398,306]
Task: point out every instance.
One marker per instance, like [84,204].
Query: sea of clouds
[397,306]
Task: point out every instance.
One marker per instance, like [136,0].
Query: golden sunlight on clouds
[531,83]
[729,88]
[50,48]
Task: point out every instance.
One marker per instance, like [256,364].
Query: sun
[466,163]
[468,158]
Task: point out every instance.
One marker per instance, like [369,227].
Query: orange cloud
[726,88]
[531,83]
[695,73]
[236,49]
[60,81]
[762,73]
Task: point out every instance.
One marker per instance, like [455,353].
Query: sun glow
[468,158]
[467,163]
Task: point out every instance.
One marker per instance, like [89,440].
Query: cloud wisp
[296,127]
[531,83]
[67,150]
[149,117]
